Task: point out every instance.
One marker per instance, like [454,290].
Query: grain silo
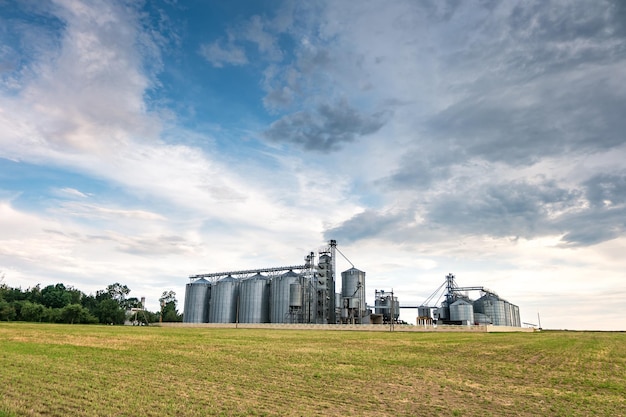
[197,295]
[254,299]
[462,311]
[493,307]
[353,306]
[280,297]
[223,304]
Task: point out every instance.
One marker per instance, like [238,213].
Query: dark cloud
[367,224]
[605,216]
[504,209]
[420,169]
[326,129]
[547,81]
[605,190]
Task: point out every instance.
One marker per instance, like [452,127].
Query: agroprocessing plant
[307,294]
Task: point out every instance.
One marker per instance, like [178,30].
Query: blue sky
[143,143]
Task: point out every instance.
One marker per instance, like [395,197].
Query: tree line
[64,304]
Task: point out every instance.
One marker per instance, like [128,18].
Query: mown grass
[62,370]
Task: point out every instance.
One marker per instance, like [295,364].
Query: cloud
[231,49]
[71,192]
[326,129]
[93,211]
[219,56]
[369,224]
[87,86]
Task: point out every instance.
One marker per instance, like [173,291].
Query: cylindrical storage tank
[385,307]
[197,295]
[279,296]
[295,295]
[444,311]
[254,296]
[480,318]
[493,307]
[353,286]
[381,302]
[517,320]
[463,311]
[508,319]
[423,311]
[223,304]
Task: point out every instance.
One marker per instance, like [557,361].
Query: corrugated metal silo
[279,296]
[197,295]
[462,310]
[424,311]
[517,322]
[508,313]
[353,286]
[493,307]
[223,305]
[480,318]
[254,294]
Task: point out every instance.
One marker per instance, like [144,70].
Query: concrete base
[358,327]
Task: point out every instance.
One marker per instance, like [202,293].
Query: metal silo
[279,296]
[353,287]
[493,307]
[508,313]
[517,322]
[480,318]
[295,295]
[197,295]
[424,312]
[223,305]
[254,294]
[385,306]
[462,311]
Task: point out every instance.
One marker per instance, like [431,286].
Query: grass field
[72,370]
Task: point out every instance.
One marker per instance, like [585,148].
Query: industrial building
[457,308]
[307,294]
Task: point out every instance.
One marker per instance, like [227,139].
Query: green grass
[62,370]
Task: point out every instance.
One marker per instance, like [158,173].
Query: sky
[144,142]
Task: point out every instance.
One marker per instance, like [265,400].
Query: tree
[75,313]
[110,312]
[7,312]
[168,307]
[32,312]
[55,296]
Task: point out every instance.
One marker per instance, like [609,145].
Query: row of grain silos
[256,299]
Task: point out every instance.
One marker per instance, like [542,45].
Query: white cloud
[218,55]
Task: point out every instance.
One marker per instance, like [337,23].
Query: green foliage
[168,307]
[7,311]
[60,304]
[55,296]
[75,313]
[32,312]
[110,312]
